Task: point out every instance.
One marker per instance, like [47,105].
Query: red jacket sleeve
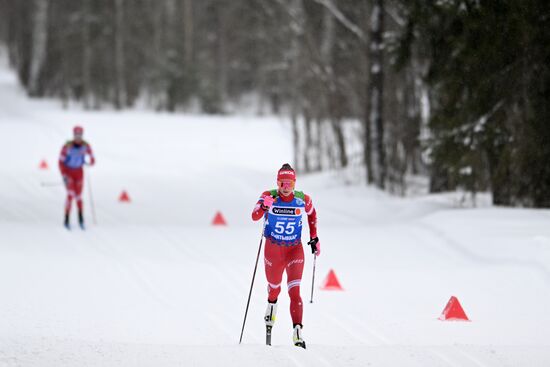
[311,216]
[258,212]
[90,153]
[62,157]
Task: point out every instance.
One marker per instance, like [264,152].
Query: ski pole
[90,194]
[313,280]
[252,283]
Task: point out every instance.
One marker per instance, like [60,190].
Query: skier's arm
[90,154]
[260,209]
[311,217]
[62,157]
[312,222]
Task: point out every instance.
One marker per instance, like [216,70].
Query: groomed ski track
[154,284]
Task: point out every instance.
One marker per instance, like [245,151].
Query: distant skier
[72,158]
[283,208]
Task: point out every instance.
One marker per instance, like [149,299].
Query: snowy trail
[155,285]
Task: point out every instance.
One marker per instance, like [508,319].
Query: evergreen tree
[489,82]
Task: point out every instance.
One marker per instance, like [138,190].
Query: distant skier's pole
[252,283]
[91,195]
[313,280]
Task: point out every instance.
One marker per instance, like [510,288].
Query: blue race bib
[284,222]
[75,157]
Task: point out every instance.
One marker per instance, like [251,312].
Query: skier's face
[78,137]
[286,186]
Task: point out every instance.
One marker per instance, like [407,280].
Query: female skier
[283,209]
[71,159]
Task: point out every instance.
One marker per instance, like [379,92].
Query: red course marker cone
[124,198]
[453,311]
[219,220]
[331,282]
[43,164]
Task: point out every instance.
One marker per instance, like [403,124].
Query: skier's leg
[69,185]
[69,202]
[78,184]
[274,267]
[78,198]
[294,271]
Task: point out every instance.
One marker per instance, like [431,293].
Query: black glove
[313,244]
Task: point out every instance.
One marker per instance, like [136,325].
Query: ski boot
[269,319]
[81,220]
[297,336]
[66,223]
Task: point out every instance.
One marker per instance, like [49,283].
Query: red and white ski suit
[71,160]
[280,257]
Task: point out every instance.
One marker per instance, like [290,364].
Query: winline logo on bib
[287,211]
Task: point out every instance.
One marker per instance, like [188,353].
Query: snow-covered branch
[343,19]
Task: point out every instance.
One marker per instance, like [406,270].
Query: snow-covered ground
[154,284]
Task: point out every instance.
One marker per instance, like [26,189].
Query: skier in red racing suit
[71,159]
[283,209]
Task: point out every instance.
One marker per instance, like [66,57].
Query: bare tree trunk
[327,50]
[367,149]
[188,32]
[295,140]
[86,55]
[309,141]
[222,55]
[120,84]
[340,142]
[296,11]
[375,95]
[157,92]
[327,44]
[319,144]
[332,153]
[39,40]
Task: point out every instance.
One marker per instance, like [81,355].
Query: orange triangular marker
[453,311]
[219,220]
[124,198]
[331,282]
[43,164]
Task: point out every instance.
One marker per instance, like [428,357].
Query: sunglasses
[286,185]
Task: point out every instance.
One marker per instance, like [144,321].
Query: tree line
[455,90]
